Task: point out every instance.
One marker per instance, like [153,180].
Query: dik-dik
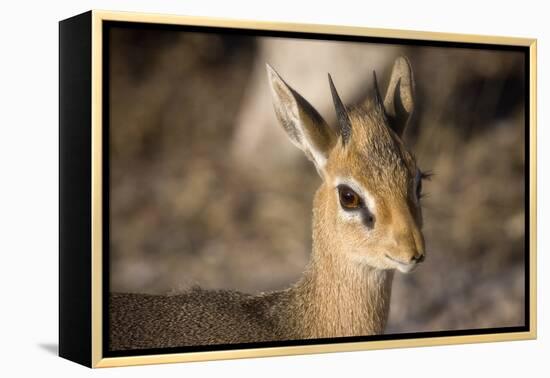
[366,224]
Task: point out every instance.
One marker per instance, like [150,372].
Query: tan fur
[346,287]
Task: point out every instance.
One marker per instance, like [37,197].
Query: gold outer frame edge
[533,187]
[99,16]
[307,349]
[97,196]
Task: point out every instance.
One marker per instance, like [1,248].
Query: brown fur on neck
[339,299]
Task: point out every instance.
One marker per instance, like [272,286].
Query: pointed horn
[341,113]
[377,96]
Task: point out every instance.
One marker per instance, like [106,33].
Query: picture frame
[86,218]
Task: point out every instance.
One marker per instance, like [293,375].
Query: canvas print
[278,189]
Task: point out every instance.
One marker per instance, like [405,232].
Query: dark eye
[419,187]
[348,198]
[420,176]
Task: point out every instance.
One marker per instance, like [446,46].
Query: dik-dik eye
[418,180]
[418,184]
[349,200]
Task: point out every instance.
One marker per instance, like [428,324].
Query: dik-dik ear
[399,100]
[303,124]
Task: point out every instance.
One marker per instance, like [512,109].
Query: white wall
[28,186]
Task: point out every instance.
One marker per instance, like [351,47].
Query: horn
[341,113]
[377,96]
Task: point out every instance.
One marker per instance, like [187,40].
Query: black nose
[418,258]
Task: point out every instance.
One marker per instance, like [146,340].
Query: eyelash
[427,175]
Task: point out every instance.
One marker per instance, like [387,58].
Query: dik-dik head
[369,200]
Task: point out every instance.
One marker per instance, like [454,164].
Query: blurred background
[207,190]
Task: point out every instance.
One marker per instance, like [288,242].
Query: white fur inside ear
[317,156]
[288,112]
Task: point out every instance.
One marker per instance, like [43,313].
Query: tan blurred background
[207,190]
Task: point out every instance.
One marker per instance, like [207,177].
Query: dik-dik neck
[338,296]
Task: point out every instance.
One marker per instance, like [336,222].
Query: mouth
[401,266]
